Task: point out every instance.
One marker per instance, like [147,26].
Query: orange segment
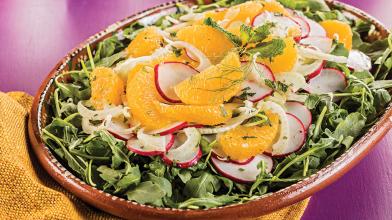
[214,85]
[141,95]
[200,114]
[243,142]
[216,15]
[247,11]
[145,43]
[106,87]
[286,61]
[274,6]
[339,29]
[213,43]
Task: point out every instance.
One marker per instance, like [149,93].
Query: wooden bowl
[132,210]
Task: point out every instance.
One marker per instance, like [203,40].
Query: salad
[219,103]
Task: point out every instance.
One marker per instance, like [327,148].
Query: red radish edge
[119,136]
[339,72]
[304,25]
[230,176]
[269,75]
[307,112]
[297,148]
[184,164]
[316,72]
[156,80]
[170,129]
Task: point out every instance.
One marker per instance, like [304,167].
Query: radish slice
[120,130]
[258,72]
[296,138]
[185,151]
[283,23]
[283,140]
[170,129]
[322,43]
[301,112]
[155,143]
[294,80]
[245,173]
[169,74]
[309,68]
[258,92]
[315,28]
[256,83]
[304,25]
[358,61]
[219,154]
[329,80]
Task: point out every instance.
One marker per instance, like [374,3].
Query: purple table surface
[34,35]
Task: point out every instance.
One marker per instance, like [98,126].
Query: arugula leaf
[146,193]
[200,186]
[164,184]
[351,126]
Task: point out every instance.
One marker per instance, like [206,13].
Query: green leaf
[351,126]
[202,185]
[163,183]
[268,49]
[146,193]
[233,38]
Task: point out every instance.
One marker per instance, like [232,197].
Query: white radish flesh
[304,25]
[283,23]
[242,173]
[329,80]
[169,74]
[322,43]
[301,112]
[315,28]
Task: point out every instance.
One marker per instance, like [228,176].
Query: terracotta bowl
[127,209]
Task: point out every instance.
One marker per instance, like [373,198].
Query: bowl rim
[266,203]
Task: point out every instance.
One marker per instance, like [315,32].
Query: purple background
[35,34]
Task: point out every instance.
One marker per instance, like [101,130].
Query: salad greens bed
[104,162]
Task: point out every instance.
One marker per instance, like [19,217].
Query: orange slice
[213,43]
[214,85]
[340,30]
[286,61]
[242,142]
[274,6]
[247,11]
[106,87]
[145,43]
[141,95]
[200,114]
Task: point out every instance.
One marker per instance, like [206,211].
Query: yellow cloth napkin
[28,192]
